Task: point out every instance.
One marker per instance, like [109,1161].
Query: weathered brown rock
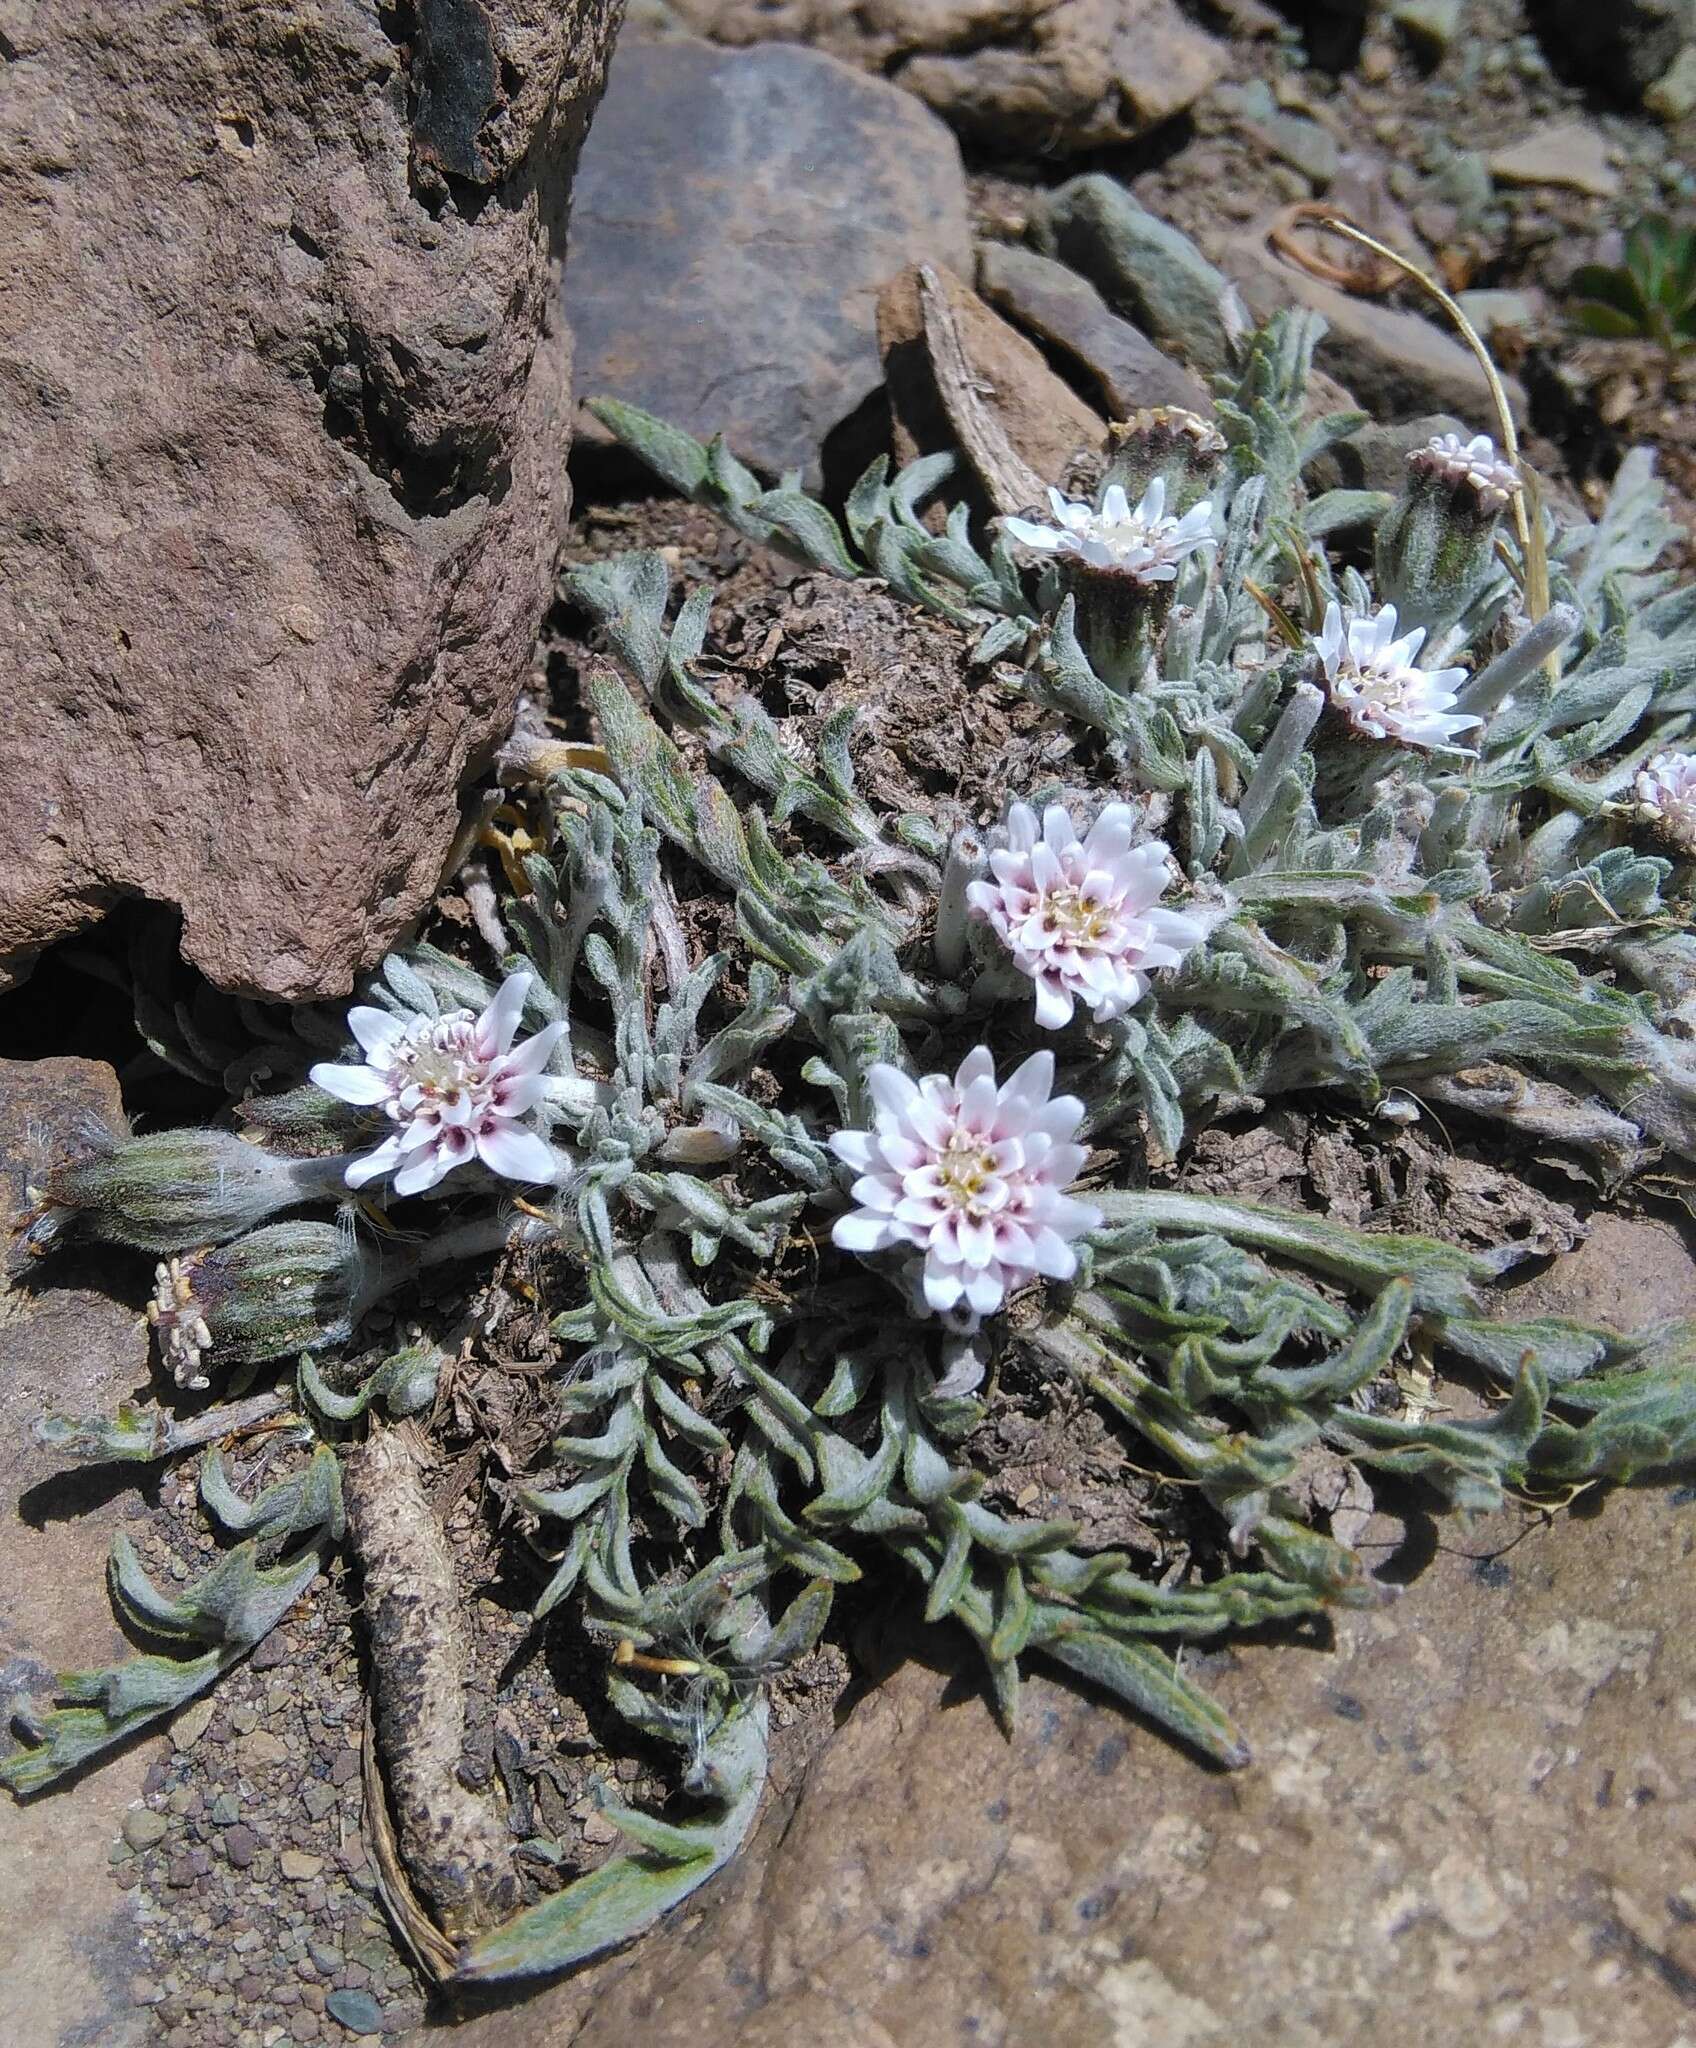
[1041,74]
[282,453]
[68,1941]
[1044,422]
[736,215]
[1469,1812]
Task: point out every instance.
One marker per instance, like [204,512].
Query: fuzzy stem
[1289,736]
[1547,636]
[965,863]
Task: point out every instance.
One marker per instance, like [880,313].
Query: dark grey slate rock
[736,214]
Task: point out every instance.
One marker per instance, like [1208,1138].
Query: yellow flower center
[966,1164]
[1065,915]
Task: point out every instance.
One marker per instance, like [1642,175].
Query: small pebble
[143,1828]
[358,2011]
[299,1866]
[239,1844]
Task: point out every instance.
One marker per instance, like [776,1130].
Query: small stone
[143,1828]
[144,1991]
[1570,154]
[300,1866]
[251,1989]
[1430,25]
[244,1719]
[226,1810]
[318,1798]
[345,1768]
[192,1723]
[1377,63]
[239,1844]
[358,2011]
[184,1800]
[326,1957]
[181,1873]
[274,1650]
[1673,96]
[1488,310]
[262,1748]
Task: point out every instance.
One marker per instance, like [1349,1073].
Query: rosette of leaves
[744,1418]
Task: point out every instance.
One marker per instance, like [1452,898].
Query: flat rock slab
[724,271]
[68,1940]
[1069,313]
[283,423]
[1470,1810]
[1394,362]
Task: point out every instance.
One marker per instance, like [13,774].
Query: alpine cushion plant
[781,1180]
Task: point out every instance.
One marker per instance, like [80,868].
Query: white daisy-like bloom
[1082,917]
[1144,544]
[972,1177]
[456,1088]
[1370,678]
[1666,794]
[1473,464]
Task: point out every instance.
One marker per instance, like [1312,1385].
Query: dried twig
[452,1844]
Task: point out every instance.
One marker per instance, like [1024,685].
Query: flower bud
[1181,448]
[1436,544]
[289,1287]
[172,1188]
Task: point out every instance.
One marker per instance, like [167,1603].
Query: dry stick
[1012,484]
[452,1843]
[1533,546]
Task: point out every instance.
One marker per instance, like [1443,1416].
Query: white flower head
[1144,544]
[972,1177]
[1666,795]
[1469,465]
[455,1087]
[1370,678]
[1082,917]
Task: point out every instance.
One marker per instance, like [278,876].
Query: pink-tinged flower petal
[533,1055]
[496,1026]
[362,1086]
[857,1232]
[373,1165]
[890,1090]
[853,1148]
[517,1097]
[1052,1256]
[516,1154]
[943,1284]
[873,1191]
[1054,1002]
[374,1029]
[424,1169]
[985,1290]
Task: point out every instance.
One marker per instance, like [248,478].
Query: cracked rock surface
[282,452]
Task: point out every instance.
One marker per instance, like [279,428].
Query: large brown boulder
[283,424]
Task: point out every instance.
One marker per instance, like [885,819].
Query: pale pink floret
[1144,543]
[1473,465]
[1666,789]
[455,1088]
[971,1176]
[1082,917]
[1370,678]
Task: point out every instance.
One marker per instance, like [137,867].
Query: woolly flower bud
[1164,441]
[1666,800]
[289,1287]
[970,1176]
[1436,543]
[175,1187]
[1082,917]
[1471,472]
